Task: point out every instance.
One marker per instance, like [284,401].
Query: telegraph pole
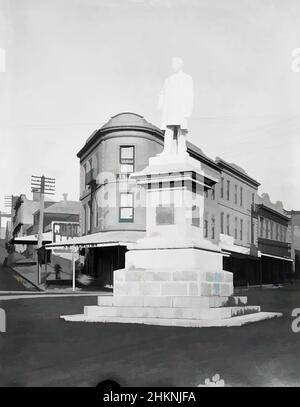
[43,185]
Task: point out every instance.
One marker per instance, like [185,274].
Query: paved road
[39,349]
[8,279]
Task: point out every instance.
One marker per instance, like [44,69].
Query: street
[39,349]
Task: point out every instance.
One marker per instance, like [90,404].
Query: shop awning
[228,246]
[240,255]
[277,257]
[31,239]
[110,238]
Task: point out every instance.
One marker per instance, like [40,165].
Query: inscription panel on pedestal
[165,215]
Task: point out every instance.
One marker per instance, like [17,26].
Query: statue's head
[177,64]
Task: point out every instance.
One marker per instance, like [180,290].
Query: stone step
[193,323]
[168,312]
[170,301]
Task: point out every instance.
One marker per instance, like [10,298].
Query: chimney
[65,195]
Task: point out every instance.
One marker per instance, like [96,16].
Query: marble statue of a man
[176,103]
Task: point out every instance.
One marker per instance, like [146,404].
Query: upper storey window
[213,192]
[284,235]
[228,190]
[261,233]
[222,187]
[97,162]
[126,159]
[277,231]
[235,194]
[267,229]
[126,211]
[271,229]
[222,222]
[213,223]
[84,175]
[228,225]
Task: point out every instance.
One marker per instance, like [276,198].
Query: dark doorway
[246,270]
[103,261]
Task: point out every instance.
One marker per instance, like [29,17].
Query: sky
[72,64]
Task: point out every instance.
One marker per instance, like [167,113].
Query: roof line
[192,148]
[127,112]
[273,211]
[226,165]
[102,132]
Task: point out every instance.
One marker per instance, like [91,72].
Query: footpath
[25,271]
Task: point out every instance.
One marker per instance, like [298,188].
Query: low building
[273,241]
[62,216]
[237,195]
[64,210]
[23,213]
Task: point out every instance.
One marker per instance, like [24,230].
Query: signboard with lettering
[64,231]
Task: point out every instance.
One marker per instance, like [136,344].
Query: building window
[84,219]
[284,235]
[213,192]
[228,190]
[222,222]
[205,228]
[84,174]
[280,233]
[235,228]
[213,222]
[126,213]
[261,230]
[236,194]
[253,199]
[222,187]
[277,232]
[248,232]
[89,216]
[241,196]
[241,229]
[97,162]
[205,193]
[195,216]
[267,229]
[271,230]
[228,225]
[96,213]
[126,159]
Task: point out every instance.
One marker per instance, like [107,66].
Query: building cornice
[99,134]
[104,134]
[273,212]
[229,168]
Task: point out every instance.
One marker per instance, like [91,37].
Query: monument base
[175,287]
